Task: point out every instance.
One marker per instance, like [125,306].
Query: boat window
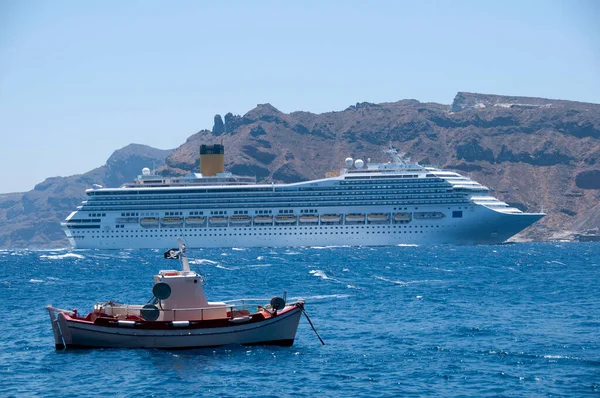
[457,214]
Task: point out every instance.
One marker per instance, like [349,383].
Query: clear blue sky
[80,79]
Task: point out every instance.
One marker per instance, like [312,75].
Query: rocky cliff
[32,219]
[533,153]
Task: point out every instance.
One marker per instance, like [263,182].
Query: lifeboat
[332,218]
[377,217]
[149,222]
[285,219]
[263,220]
[171,221]
[240,220]
[309,219]
[402,217]
[178,316]
[217,221]
[195,220]
[355,218]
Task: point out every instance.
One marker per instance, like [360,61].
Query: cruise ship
[365,203]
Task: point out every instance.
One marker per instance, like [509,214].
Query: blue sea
[509,320]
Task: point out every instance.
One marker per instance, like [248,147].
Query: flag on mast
[172,254]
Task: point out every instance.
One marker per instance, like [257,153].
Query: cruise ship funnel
[212,159]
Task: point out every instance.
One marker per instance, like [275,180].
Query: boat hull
[73,333]
[478,225]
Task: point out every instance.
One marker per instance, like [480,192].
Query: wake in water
[328,247]
[319,273]
[203,261]
[62,256]
[321,297]
[241,267]
[402,283]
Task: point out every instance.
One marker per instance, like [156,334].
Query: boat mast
[184,260]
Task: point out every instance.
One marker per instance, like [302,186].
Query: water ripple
[508,320]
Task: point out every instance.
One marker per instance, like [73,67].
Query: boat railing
[233,308]
[52,309]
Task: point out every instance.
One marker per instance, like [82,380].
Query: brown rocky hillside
[534,153]
[32,219]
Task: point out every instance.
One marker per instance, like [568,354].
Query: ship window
[457,214]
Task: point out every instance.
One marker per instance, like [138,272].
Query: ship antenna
[396,158]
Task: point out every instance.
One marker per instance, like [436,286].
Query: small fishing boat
[178,316]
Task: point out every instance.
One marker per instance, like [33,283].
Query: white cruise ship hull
[478,225]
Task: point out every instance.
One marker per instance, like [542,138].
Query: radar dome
[146,171]
[359,163]
[349,162]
